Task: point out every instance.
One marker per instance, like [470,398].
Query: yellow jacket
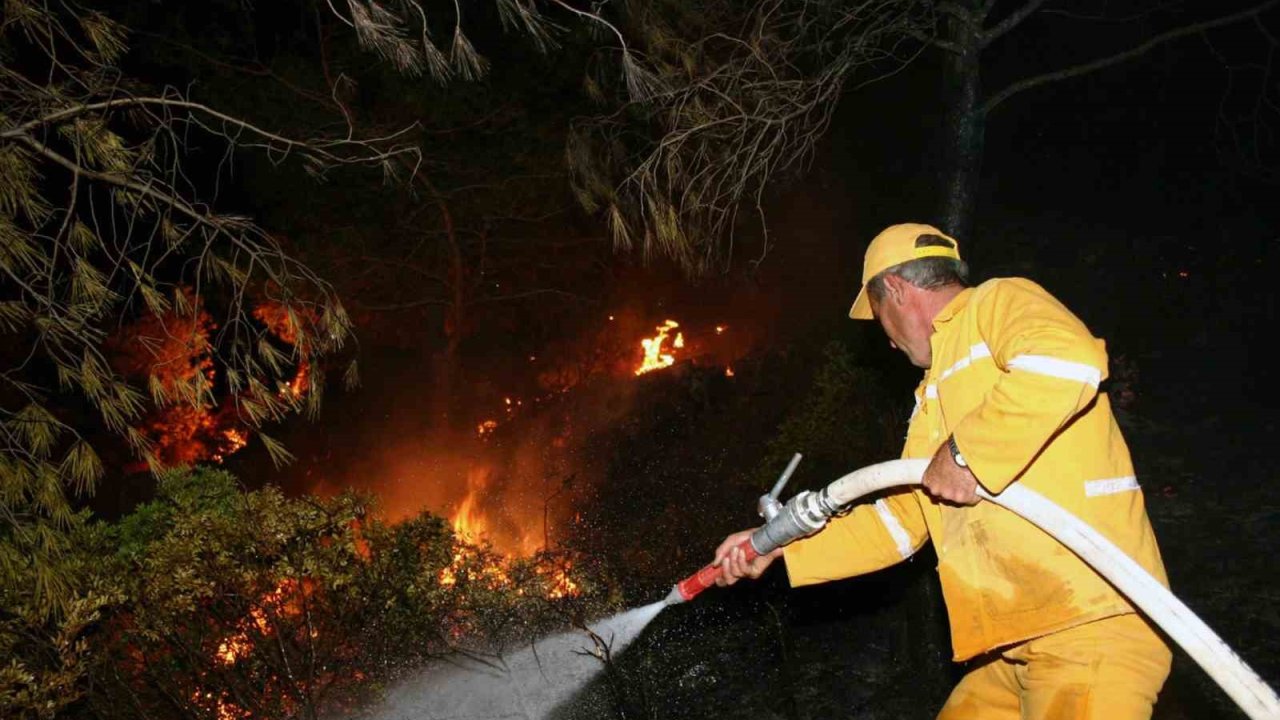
[1015,378]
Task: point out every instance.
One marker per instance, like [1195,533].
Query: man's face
[898,314]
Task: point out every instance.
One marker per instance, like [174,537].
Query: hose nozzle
[804,515]
[674,597]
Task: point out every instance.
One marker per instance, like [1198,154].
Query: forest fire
[500,536]
[654,357]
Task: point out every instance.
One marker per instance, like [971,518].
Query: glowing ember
[720,329]
[562,585]
[486,427]
[654,357]
[448,577]
[233,648]
[235,439]
[728,372]
[221,707]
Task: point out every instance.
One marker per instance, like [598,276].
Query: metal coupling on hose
[803,515]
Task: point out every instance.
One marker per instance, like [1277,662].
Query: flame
[283,600]
[281,320]
[295,388]
[468,523]
[654,358]
[471,529]
[233,648]
[562,585]
[173,354]
[285,324]
[233,440]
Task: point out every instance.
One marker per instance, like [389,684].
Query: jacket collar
[953,308]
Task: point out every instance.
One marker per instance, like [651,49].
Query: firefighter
[1010,393]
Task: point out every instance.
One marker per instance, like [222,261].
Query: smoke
[518,480]
[531,434]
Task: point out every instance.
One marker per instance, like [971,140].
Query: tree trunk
[966,130]
[445,370]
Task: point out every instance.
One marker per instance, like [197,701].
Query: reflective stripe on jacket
[1015,378]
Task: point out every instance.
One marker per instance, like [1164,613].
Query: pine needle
[433,58]
[14,316]
[351,376]
[618,229]
[83,467]
[466,61]
[381,31]
[279,455]
[642,84]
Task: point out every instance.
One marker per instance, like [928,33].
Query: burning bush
[253,605]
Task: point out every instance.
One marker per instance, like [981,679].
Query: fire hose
[808,512]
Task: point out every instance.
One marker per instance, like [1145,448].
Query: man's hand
[946,480]
[733,562]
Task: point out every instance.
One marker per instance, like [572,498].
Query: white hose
[1240,682]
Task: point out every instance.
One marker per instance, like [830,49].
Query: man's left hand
[946,480]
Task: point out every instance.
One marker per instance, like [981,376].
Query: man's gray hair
[925,273]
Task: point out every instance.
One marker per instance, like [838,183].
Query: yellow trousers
[1110,669]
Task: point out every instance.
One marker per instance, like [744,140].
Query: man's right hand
[733,562]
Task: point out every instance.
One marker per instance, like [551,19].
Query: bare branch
[1089,67]
[322,149]
[1010,22]
[734,112]
[937,42]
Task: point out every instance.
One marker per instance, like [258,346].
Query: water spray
[808,512]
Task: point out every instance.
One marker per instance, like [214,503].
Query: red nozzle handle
[690,587]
